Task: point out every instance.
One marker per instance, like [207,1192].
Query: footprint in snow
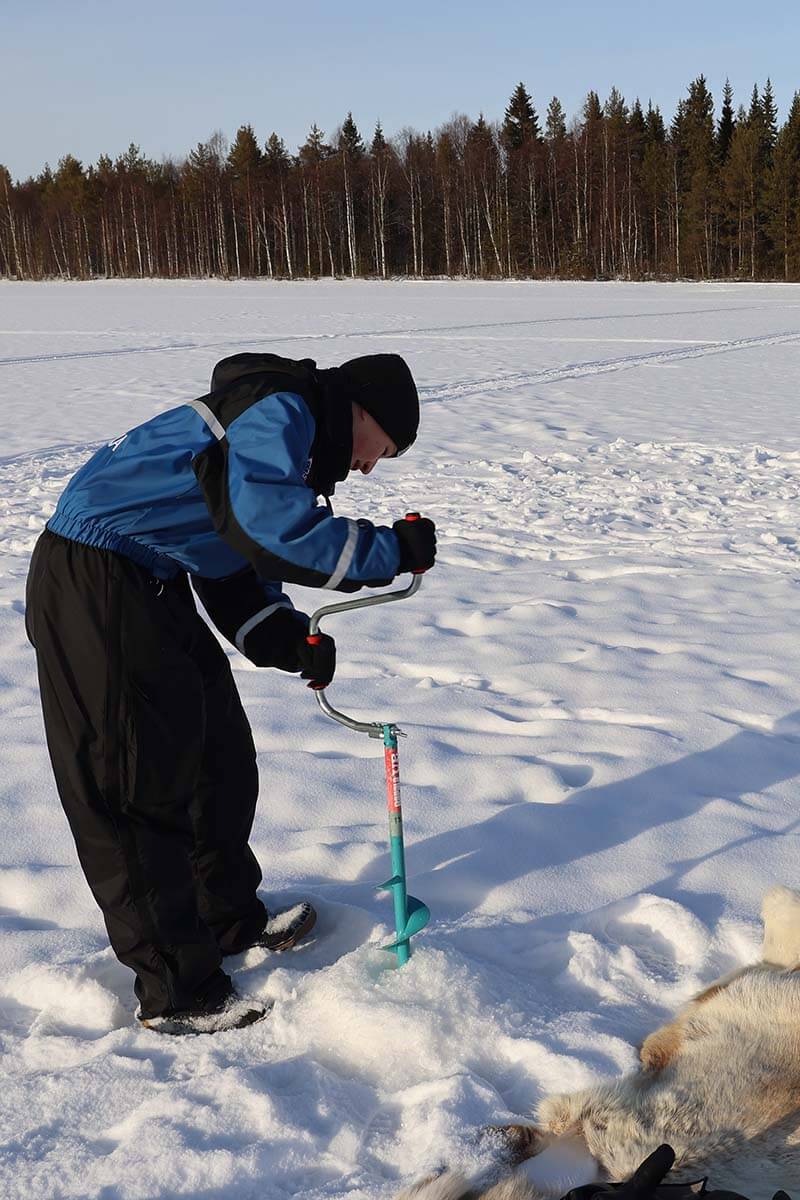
[661,932]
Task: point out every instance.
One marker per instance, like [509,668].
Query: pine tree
[132,161]
[483,162]
[589,185]
[769,116]
[379,144]
[244,160]
[520,123]
[312,157]
[245,154]
[70,181]
[655,129]
[276,156]
[480,135]
[615,109]
[677,123]
[520,139]
[698,128]
[378,193]
[655,179]
[278,163]
[636,121]
[695,149]
[555,135]
[350,139]
[592,109]
[727,124]
[351,151]
[723,139]
[132,170]
[756,113]
[556,125]
[314,149]
[783,196]
[761,128]
[613,183]
[740,179]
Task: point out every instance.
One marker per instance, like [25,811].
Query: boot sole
[180,1029]
[292,936]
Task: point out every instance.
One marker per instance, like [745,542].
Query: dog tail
[448,1186]
[514,1188]
[455,1187]
[781,912]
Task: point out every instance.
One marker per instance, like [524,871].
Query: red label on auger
[392,779]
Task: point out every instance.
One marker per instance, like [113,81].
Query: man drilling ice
[150,746]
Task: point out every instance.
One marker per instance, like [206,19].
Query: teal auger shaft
[410,914]
[397,884]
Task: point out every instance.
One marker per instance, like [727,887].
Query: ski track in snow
[571,371]
[578,370]
[600,686]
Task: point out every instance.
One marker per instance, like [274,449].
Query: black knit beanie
[383,385]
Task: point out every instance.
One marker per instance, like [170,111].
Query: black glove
[417,538]
[274,641]
[317,656]
[646,1184]
[643,1184]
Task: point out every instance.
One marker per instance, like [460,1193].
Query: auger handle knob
[415,516]
[314,639]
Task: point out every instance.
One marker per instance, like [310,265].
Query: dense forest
[615,193]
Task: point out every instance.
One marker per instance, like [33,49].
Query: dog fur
[720,1083]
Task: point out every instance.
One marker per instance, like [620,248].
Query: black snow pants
[154,763]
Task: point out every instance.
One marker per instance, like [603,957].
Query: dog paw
[516,1143]
[659,1048]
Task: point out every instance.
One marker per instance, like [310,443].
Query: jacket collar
[332,450]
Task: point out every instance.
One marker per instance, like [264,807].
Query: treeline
[615,194]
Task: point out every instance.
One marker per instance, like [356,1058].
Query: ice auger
[410,914]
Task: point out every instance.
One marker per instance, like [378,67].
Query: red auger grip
[414,516]
[314,639]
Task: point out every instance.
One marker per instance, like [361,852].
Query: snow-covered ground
[601,686]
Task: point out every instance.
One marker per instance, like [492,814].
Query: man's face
[369,442]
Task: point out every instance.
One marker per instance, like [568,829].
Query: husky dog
[720,1083]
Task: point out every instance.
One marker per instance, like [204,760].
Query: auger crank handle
[373,728]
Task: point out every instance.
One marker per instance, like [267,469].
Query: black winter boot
[232,1012]
[284,929]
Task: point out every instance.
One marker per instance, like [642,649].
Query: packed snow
[600,683]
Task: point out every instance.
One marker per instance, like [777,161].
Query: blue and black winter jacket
[225,488]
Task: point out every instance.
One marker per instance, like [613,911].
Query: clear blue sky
[90,76]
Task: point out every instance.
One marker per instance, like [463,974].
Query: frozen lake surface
[601,686]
